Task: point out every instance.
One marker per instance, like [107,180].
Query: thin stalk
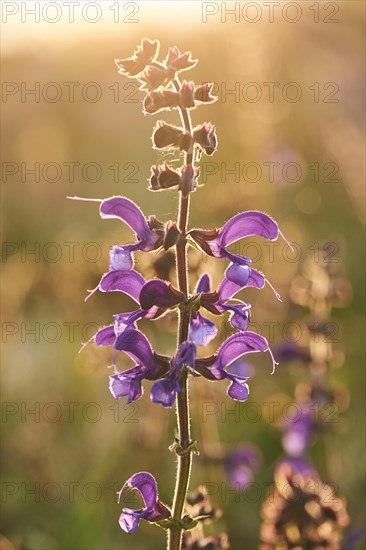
[182,407]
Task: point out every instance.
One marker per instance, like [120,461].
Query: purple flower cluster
[155,297]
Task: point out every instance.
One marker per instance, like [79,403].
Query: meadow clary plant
[161,80]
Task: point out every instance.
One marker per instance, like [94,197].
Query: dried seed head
[205,136]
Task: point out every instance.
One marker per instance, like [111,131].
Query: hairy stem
[182,409]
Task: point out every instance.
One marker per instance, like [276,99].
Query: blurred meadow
[294,149]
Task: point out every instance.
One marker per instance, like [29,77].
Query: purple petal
[159,293]
[129,212]
[120,258]
[248,224]
[235,258]
[129,520]
[201,330]
[238,390]
[145,483]
[137,346]
[228,287]
[129,282]
[186,355]
[122,321]
[241,369]
[126,383]
[256,279]
[239,317]
[239,344]
[204,284]
[105,336]
[164,391]
[238,274]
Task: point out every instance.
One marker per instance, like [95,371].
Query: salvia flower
[148,366]
[245,224]
[153,511]
[223,364]
[154,297]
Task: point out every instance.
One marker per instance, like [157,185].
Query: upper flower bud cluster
[150,72]
[160,79]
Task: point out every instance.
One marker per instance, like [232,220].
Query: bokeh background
[62,464]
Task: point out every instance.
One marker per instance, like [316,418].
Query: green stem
[182,407]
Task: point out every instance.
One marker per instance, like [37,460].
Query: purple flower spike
[165,390]
[154,510]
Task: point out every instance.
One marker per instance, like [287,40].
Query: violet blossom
[154,510]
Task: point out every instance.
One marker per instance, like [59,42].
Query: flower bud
[158,100]
[203,93]
[163,177]
[154,75]
[179,62]
[205,136]
[171,236]
[187,95]
[145,54]
[167,135]
[189,180]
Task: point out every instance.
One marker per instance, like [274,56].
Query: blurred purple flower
[153,511]
[240,465]
[297,434]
